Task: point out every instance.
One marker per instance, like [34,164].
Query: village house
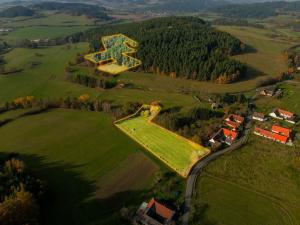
[154,213]
[259,116]
[224,136]
[271,91]
[283,115]
[235,126]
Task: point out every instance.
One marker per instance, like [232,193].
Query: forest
[16,11]
[257,10]
[178,47]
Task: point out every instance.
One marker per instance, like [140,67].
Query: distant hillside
[257,10]
[16,11]
[179,47]
[185,5]
[77,9]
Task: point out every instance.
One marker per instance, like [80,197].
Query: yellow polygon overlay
[116,57]
[177,152]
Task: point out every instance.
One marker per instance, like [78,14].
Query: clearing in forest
[116,57]
[176,151]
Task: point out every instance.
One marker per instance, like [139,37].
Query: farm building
[224,136]
[283,115]
[154,213]
[277,134]
[281,130]
[259,116]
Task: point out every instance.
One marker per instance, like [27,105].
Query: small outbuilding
[259,116]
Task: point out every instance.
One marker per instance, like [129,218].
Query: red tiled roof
[160,209]
[286,113]
[232,124]
[281,130]
[271,135]
[235,118]
[229,133]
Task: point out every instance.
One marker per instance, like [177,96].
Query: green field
[91,168]
[177,152]
[41,32]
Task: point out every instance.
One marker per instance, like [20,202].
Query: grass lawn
[230,204]
[258,184]
[177,152]
[91,168]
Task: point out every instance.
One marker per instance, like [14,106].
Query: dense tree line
[183,6]
[292,57]
[76,9]
[258,10]
[179,47]
[16,11]
[20,194]
[89,81]
[236,22]
[197,124]
[83,102]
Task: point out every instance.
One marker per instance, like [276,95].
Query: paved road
[200,165]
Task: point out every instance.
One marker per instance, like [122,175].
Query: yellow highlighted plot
[116,57]
[176,151]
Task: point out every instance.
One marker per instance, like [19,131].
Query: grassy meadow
[177,152]
[259,182]
[91,168]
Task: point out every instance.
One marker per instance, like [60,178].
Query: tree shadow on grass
[70,198]
[251,74]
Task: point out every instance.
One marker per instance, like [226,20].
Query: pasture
[91,169]
[177,152]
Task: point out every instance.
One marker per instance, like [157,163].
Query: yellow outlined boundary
[182,173]
[90,57]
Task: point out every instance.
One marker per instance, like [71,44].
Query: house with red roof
[154,213]
[233,125]
[224,136]
[235,118]
[283,115]
[278,134]
[281,130]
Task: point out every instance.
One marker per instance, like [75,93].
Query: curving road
[191,181]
